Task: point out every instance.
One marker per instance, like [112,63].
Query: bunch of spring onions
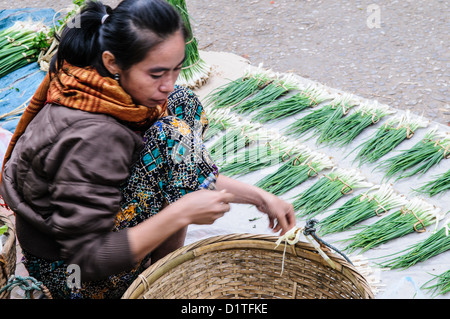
[272,90]
[420,158]
[442,286]
[323,116]
[233,140]
[438,185]
[376,201]
[344,130]
[267,151]
[219,120]
[307,98]
[294,172]
[67,14]
[327,190]
[437,243]
[414,216]
[195,71]
[21,44]
[389,136]
[234,92]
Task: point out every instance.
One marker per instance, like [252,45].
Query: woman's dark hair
[128,32]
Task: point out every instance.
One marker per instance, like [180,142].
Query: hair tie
[104,18]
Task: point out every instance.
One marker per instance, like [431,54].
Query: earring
[117,77]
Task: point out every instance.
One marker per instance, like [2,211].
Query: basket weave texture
[8,255]
[246,266]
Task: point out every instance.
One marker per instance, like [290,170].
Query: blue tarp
[19,86]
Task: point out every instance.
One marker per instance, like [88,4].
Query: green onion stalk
[327,190]
[234,92]
[438,185]
[323,116]
[66,16]
[441,287]
[21,44]
[195,71]
[267,152]
[420,158]
[414,216]
[344,130]
[295,171]
[377,201]
[437,243]
[273,90]
[389,136]
[234,139]
[307,98]
[219,120]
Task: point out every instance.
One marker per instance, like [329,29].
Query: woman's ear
[109,61]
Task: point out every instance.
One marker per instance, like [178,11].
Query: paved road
[393,51]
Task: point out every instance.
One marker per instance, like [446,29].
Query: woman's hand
[281,214]
[204,207]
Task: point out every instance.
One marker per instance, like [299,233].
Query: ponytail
[128,32]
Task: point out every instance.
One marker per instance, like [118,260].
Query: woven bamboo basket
[245,266]
[8,255]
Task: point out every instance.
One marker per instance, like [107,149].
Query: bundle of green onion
[267,151]
[323,116]
[375,202]
[218,121]
[21,44]
[307,98]
[442,286]
[414,216]
[294,172]
[437,243]
[420,158]
[234,139]
[234,92]
[389,136]
[327,190]
[439,184]
[272,90]
[195,71]
[344,130]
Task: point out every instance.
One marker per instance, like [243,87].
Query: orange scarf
[85,89]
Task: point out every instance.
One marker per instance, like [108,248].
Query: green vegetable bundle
[327,190]
[435,244]
[389,136]
[21,44]
[344,130]
[234,92]
[375,202]
[195,70]
[294,172]
[233,140]
[272,90]
[266,152]
[420,158]
[219,120]
[307,98]
[436,186]
[442,286]
[416,215]
[322,117]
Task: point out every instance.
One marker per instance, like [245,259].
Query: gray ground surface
[404,62]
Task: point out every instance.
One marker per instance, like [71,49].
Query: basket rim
[243,240]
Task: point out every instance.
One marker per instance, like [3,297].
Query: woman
[107,167]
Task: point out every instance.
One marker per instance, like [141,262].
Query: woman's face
[150,81]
